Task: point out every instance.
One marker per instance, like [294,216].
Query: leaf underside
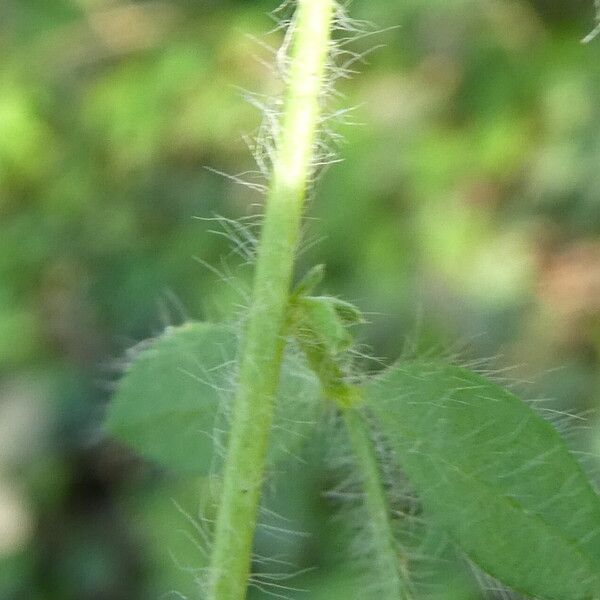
[495,476]
[490,471]
[174,401]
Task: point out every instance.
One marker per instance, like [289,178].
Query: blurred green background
[464,215]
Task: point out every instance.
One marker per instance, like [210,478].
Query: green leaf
[438,571]
[309,282]
[173,403]
[348,313]
[495,476]
[319,323]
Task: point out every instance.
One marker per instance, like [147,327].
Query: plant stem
[327,362]
[392,581]
[263,339]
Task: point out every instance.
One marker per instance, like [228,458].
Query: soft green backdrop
[465,215]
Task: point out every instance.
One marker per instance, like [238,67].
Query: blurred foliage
[465,212]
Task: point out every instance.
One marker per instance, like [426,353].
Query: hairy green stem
[263,340]
[392,581]
[323,344]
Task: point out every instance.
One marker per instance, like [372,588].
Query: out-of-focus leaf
[172,405]
[495,476]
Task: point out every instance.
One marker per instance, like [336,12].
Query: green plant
[494,478]
[592,35]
